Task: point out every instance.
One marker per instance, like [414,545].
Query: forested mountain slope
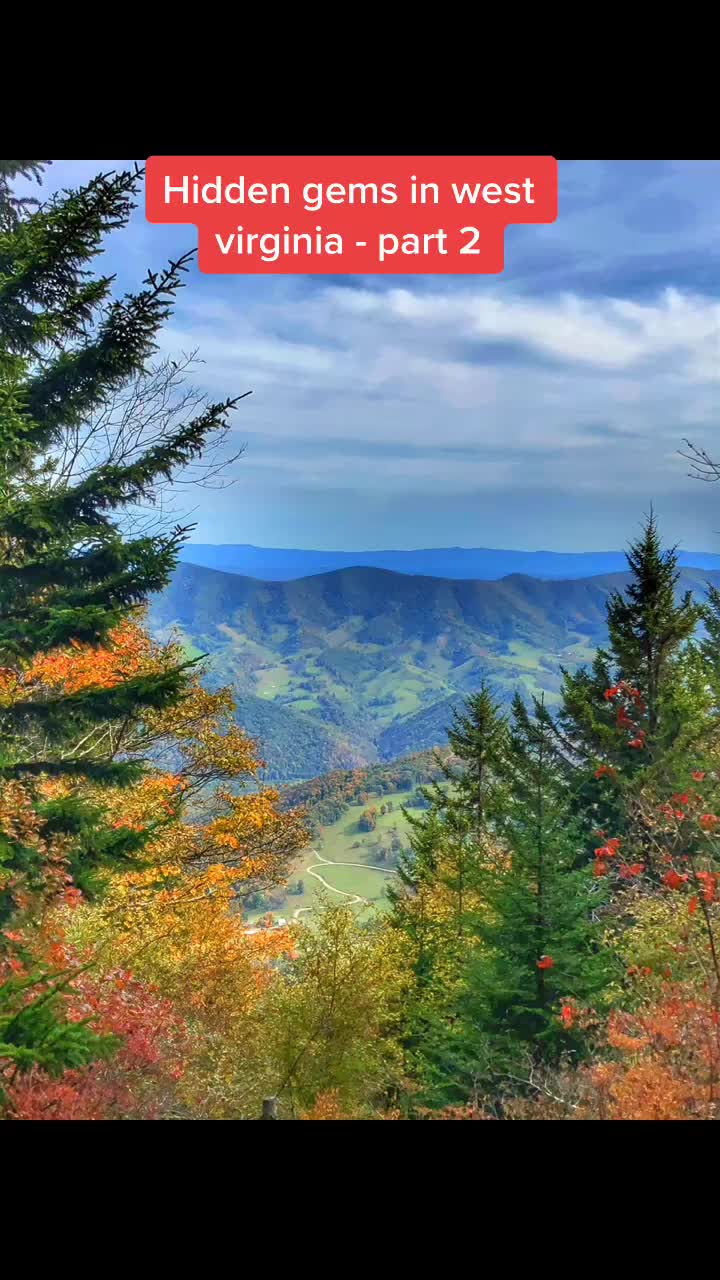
[344,668]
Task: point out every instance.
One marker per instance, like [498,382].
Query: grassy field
[524,654]
[345,842]
[272,681]
[341,843]
[366,882]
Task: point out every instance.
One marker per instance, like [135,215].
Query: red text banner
[352,215]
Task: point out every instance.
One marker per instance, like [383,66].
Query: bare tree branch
[139,417]
[702,466]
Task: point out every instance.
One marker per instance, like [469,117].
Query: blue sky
[538,409]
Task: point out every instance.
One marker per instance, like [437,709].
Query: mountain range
[346,668]
[273,564]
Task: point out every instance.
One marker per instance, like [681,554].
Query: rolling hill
[274,564]
[346,668]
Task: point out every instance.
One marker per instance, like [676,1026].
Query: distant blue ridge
[275,564]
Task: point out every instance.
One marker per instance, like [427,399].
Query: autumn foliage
[137,1081]
[162,958]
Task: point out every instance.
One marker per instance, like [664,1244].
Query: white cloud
[612,333]
[405,368]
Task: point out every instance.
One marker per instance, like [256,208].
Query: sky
[539,409]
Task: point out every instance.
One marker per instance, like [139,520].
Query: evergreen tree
[693,717]
[410,893]
[436,900]
[429,907]
[647,627]
[709,647]
[478,736]
[448,842]
[539,941]
[69,569]
[621,717]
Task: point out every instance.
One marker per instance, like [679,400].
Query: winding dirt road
[355,898]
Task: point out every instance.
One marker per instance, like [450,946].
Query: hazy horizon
[457,546]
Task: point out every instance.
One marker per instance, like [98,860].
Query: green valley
[359,665]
